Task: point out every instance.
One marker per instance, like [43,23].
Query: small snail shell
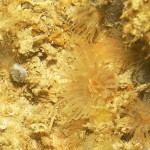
[18,73]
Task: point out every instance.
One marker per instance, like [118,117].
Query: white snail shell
[18,73]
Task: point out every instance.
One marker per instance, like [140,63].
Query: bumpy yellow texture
[137,15]
[36,34]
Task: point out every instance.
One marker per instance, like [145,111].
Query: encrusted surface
[137,17]
[82,88]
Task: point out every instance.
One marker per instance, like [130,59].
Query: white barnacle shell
[18,73]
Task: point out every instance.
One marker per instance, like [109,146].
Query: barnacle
[87,86]
[135,118]
[85,22]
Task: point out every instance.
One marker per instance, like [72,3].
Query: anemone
[85,22]
[136,119]
[87,85]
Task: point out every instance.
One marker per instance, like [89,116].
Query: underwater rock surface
[84,71]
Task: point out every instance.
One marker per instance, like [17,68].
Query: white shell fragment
[18,73]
